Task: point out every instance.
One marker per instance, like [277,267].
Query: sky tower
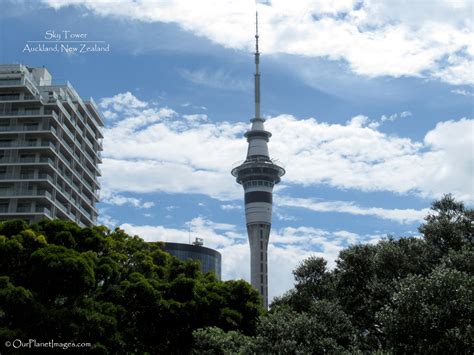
[258,174]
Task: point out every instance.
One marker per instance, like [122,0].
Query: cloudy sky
[370,104]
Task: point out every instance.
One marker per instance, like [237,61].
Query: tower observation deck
[258,174]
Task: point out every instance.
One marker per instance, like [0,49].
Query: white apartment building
[50,144]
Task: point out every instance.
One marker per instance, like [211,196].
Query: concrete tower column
[258,174]
[259,234]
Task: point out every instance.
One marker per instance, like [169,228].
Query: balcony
[27,160]
[52,97]
[9,97]
[26,128]
[29,113]
[31,209]
[61,206]
[11,81]
[64,192]
[25,193]
[26,176]
[11,160]
[45,176]
[27,144]
[68,132]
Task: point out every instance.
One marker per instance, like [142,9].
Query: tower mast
[258,174]
[257,73]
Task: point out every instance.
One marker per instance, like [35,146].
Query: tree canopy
[123,295]
[115,291]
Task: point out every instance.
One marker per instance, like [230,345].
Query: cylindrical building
[209,259]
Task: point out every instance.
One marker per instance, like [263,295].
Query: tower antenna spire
[257,72]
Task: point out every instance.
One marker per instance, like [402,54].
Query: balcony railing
[9,97]
[24,192]
[29,113]
[22,160]
[31,209]
[61,206]
[40,176]
[44,176]
[26,144]
[23,128]
[13,81]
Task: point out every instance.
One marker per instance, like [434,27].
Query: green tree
[449,225]
[431,314]
[367,278]
[118,292]
[313,282]
[215,341]
[324,328]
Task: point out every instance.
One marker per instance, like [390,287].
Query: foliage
[448,226]
[215,341]
[431,314]
[324,328]
[123,295]
[406,295]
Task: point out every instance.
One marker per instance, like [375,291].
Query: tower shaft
[258,174]
[259,235]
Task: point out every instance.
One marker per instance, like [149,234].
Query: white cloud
[398,215]
[122,102]
[451,158]
[395,38]
[361,120]
[462,92]
[106,220]
[119,200]
[215,235]
[231,207]
[358,121]
[144,175]
[283,216]
[363,158]
[147,150]
[217,79]
[195,118]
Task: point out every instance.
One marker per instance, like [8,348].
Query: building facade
[258,174]
[209,259]
[50,144]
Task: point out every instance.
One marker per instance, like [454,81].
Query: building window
[24,207]
[5,142]
[10,81]
[27,158]
[7,97]
[30,126]
[4,206]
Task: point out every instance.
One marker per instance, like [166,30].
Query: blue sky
[370,104]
